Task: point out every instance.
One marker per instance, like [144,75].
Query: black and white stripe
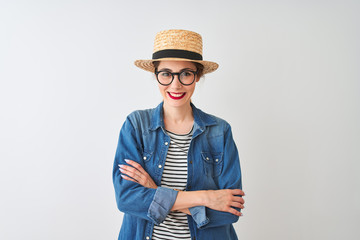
[175,225]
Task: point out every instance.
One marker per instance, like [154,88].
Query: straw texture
[176,39]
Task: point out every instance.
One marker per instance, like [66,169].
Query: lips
[176,96]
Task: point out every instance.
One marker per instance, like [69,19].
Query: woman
[176,171]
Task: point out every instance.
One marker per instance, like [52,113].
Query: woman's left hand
[136,173]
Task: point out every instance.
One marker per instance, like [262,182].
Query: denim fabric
[213,163]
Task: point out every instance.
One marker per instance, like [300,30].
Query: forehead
[176,65]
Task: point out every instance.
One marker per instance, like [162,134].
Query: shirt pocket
[213,163]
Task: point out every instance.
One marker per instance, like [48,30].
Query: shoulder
[140,117]
[141,114]
[220,122]
[214,122]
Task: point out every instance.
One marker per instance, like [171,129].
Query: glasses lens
[164,77]
[187,77]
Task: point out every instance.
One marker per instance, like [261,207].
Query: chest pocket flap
[213,163]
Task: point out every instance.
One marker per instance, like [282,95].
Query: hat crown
[177,45]
[178,39]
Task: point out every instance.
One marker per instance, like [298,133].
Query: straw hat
[177,45]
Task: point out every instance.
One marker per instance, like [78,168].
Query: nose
[176,82]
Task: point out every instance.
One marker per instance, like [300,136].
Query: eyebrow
[169,70]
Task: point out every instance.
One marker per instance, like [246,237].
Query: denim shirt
[213,163]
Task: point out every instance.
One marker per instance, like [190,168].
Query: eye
[165,74]
[186,73]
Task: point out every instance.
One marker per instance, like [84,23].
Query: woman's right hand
[136,173]
[225,200]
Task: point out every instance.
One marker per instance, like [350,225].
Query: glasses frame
[178,74]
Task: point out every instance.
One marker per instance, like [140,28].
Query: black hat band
[177,53]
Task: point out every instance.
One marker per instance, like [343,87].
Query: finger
[238,205]
[130,168]
[135,165]
[237,192]
[134,173]
[131,174]
[127,178]
[238,199]
[235,212]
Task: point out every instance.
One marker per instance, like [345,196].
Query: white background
[288,82]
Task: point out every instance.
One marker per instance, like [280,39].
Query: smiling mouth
[176,96]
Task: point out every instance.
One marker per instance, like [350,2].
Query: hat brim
[148,64]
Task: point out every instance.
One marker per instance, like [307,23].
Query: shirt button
[159,166]
[190,162]
[207,158]
[216,160]
[144,158]
[166,143]
[147,237]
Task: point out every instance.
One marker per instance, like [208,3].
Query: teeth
[176,94]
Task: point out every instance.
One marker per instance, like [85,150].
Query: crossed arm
[225,200]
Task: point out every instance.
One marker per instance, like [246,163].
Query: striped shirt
[175,225]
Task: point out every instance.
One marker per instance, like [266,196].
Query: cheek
[191,90]
[162,88]
[193,87]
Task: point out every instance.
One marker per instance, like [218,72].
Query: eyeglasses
[186,77]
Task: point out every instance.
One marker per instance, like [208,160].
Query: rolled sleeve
[161,205]
[198,214]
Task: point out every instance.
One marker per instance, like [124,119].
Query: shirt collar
[201,119]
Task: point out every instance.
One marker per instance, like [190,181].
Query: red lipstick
[176,98]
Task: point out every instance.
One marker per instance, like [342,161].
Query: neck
[178,119]
[177,114]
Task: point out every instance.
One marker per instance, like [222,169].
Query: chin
[177,103]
